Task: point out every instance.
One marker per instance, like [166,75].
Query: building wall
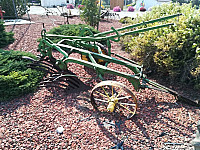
[50,3]
[114,3]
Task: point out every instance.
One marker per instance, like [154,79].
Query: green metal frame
[80,44]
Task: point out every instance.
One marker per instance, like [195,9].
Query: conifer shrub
[171,51]
[15,78]
[5,37]
[90,12]
[125,20]
[71,30]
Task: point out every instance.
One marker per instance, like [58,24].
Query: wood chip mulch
[30,122]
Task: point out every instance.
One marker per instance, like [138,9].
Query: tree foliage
[78,2]
[5,37]
[90,12]
[13,8]
[194,2]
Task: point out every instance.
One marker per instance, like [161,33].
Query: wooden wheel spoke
[127,104]
[100,100]
[101,94]
[120,98]
[119,93]
[105,92]
[112,91]
[126,108]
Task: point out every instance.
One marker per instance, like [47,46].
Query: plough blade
[54,77]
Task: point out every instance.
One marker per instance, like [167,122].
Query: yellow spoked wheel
[111,96]
[99,61]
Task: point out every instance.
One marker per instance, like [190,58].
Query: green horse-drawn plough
[106,95]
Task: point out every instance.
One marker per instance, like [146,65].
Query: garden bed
[30,122]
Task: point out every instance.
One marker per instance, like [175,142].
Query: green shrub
[5,37]
[71,30]
[169,51]
[15,78]
[90,12]
[125,20]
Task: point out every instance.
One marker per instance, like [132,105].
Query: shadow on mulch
[65,92]
[7,107]
[19,39]
[118,128]
[106,20]
[189,95]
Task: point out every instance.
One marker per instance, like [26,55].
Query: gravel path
[30,122]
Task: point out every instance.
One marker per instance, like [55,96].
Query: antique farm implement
[95,52]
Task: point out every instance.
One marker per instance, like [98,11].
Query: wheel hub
[112,102]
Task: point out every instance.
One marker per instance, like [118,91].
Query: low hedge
[169,51]
[71,30]
[15,78]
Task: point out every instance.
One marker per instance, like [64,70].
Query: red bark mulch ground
[30,122]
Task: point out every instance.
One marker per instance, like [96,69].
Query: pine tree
[90,12]
[5,37]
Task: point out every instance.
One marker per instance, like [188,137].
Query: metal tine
[56,76]
[40,69]
[28,58]
[42,66]
[69,85]
[72,83]
[67,79]
[60,78]
[73,78]
[42,62]
[70,80]
[36,62]
[57,84]
[67,88]
[50,82]
[53,76]
[49,78]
